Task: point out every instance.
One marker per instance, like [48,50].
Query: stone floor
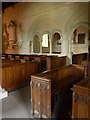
[17,104]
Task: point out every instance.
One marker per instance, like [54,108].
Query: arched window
[57,37]
[36,44]
[45,39]
[56,43]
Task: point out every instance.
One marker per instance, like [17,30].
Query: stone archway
[79,38]
[56,43]
[45,42]
[36,44]
[69,37]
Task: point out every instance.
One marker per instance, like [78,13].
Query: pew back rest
[55,61]
[17,75]
[78,58]
[6,63]
[42,62]
[62,72]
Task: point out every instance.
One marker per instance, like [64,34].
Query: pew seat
[47,85]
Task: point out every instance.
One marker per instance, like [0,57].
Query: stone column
[66,47]
[69,50]
[50,41]
[31,46]
[40,45]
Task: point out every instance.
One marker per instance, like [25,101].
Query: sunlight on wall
[45,40]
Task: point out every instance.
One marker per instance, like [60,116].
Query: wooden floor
[17,104]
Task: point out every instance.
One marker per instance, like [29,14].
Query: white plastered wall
[44,16]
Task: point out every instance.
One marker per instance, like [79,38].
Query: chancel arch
[56,42]
[36,43]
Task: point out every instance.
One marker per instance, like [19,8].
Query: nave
[46,48]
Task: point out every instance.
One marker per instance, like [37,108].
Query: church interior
[45,60]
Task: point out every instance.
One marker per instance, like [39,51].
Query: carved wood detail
[82,98]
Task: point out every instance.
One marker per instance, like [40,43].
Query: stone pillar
[50,41]
[66,47]
[31,46]
[69,50]
[40,45]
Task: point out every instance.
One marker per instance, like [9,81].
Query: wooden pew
[49,62]
[17,57]
[9,56]
[45,62]
[20,56]
[86,65]
[41,59]
[26,57]
[46,85]
[78,58]
[5,55]
[8,62]
[55,61]
[17,75]
[81,100]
